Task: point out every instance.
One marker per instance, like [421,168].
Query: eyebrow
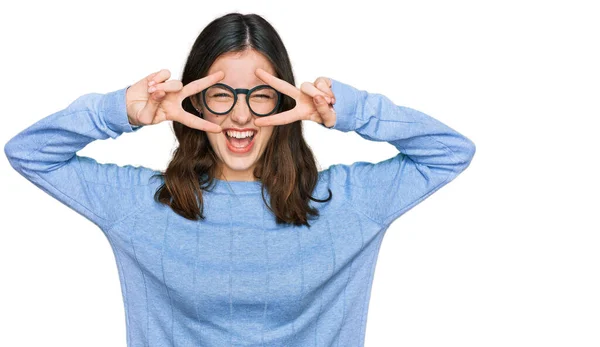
[256,85]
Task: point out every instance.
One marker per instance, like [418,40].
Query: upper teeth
[239,134]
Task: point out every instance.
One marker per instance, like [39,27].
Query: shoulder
[362,174]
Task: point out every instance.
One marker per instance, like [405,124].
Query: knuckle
[164,74]
[321,79]
[171,85]
[305,87]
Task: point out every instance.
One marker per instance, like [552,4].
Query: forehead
[239,68]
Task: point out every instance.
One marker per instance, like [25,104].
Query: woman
[218,250]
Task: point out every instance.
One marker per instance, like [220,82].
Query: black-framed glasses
[262,100]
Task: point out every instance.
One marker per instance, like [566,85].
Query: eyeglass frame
[245,91]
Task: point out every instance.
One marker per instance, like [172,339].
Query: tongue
[240,142]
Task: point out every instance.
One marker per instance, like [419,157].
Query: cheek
[207,116]
[268,135]
[212,139]
[210,118]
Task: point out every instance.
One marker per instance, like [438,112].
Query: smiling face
[237,161]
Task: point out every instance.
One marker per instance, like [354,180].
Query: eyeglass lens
[219,99]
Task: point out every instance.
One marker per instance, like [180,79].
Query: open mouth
[240,143]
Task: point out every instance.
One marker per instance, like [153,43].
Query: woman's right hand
[145,106]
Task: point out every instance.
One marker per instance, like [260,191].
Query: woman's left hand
[313,101]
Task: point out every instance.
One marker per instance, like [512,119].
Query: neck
[232,175]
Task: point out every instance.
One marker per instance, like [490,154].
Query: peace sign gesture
[153,100]
[312,103]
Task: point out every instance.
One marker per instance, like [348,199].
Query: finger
[325,110]
[327,81]
[199,85]
[150,77]
[192,121]
[158,77]
[277,119]
[168,86]
[146,115]
[278,84]
[322,85]
[310,89]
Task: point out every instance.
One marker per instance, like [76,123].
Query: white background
[507,254]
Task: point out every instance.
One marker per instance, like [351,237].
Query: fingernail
[151,89]
[328,100]
[151,83]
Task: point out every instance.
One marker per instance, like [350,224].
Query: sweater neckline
[236,187]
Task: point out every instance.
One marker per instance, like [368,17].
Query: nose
[241,113]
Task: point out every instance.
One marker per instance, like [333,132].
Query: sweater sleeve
[430,154]
[45,154]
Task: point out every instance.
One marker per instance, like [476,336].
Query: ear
[197,105]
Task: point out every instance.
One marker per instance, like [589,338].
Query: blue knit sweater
[237,278]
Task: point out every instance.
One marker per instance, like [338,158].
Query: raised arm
[431,154]
[45,154]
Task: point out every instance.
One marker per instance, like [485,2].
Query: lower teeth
[241,146]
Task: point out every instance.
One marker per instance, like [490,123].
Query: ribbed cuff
[114,111]
[346,98]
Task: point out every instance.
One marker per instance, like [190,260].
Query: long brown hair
[287,159]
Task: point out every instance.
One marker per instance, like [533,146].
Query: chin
[240,164]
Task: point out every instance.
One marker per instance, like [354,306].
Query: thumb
[326,112]
[149,111]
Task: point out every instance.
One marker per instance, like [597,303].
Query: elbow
[465,154]
[471,150]
[468,153]
[9,152]
[15,154]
